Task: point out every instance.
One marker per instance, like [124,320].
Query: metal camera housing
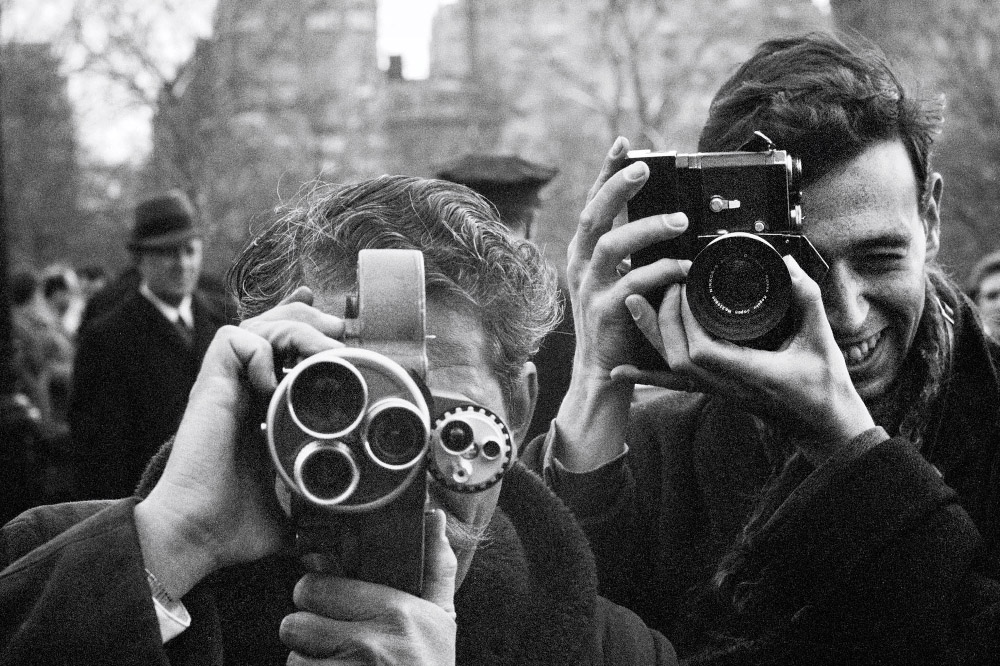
[744,214]
[353,434]
[348,431]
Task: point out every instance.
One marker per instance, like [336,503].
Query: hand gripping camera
[744,215]
[353,434]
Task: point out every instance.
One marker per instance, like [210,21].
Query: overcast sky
[114,131]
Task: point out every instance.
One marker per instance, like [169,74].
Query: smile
[859,352]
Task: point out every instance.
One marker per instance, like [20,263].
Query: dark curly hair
[826,101]
[471,262]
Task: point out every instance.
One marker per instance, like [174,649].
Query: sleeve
[99,389]
[615,507]
[80,597]
[623,640]
[867,554]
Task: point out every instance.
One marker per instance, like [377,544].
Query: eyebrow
[890,240]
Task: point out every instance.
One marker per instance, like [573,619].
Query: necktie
[186,332]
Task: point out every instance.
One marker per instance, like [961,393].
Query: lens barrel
[738,287]
[326,472]
[327,398]
[396,435]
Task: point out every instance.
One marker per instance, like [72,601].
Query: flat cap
[509,170]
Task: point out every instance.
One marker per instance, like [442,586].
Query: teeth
[857,353]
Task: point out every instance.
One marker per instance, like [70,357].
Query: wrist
[173,551]
[591,422]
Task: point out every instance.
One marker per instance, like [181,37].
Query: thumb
[440,563]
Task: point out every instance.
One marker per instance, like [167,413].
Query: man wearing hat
[137,360]
[512,184]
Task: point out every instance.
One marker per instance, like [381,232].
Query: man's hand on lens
[804,384]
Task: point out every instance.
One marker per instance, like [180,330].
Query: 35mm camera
[744,214]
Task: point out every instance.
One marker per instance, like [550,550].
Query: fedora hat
[163,222]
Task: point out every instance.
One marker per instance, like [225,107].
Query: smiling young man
[198,569]
[836,500]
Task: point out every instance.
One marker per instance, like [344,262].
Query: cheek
[902,302]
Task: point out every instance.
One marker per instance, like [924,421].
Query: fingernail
[633,309]
[618,147]
[635,171]
[675,221]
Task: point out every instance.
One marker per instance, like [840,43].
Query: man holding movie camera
[204,565]
[829,495]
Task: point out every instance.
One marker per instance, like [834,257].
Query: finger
[662,378]
[612,248]
[314,635]
[599,214]
[302,294]
[807,294]
[613,161]
[291,339]
[645,320]
[673,331]
[235,354]
[299,311]
[440,564]
[347,599]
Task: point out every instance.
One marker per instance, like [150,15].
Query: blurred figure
[984,290]
[43,351]
[138,359]
[61,289]
[92,278]
[512,184]
[111,294]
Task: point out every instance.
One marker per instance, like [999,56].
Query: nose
[844,299]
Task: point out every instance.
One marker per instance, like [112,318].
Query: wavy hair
[825,101]
[471,262]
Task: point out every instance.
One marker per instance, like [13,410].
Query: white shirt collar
[181,312]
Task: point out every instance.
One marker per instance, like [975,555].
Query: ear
[932,216]
[522,401]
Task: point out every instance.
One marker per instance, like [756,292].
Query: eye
[883,261]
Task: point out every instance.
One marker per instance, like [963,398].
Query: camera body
[744,215]
[353,434]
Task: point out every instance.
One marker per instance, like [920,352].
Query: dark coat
[131,381]
[74,592]
[891,557]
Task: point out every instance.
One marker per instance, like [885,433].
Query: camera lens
[739,284]
[397,433]
[739,288]
[457,436]
[326,473]
[327,398]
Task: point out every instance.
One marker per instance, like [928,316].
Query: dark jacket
[890,557]
[74,592]
[131,381]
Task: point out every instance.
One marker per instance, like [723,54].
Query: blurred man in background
[137,361]
[984,289]
[513,185]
